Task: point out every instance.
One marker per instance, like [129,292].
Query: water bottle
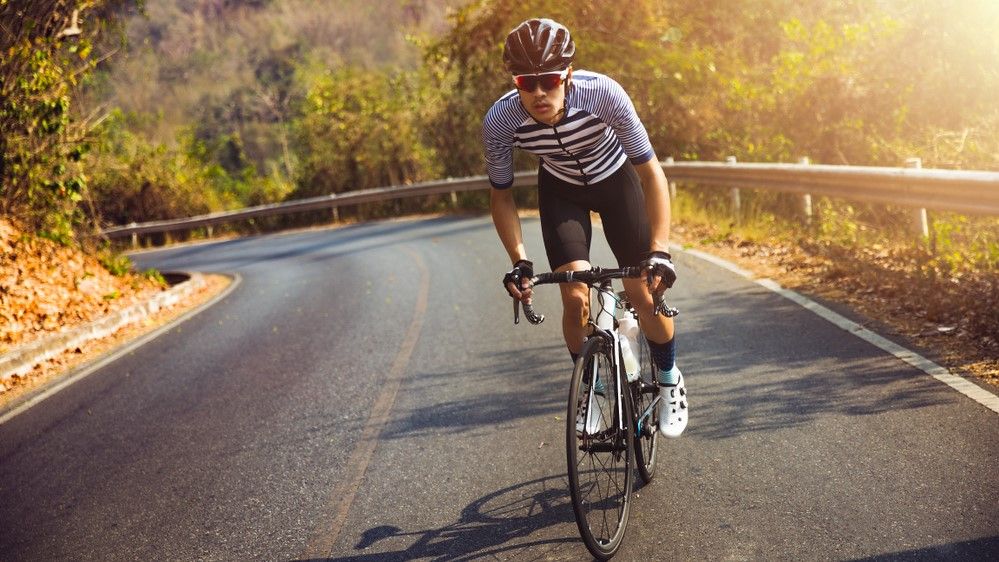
[628,328]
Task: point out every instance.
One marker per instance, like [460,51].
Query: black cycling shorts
[565,217]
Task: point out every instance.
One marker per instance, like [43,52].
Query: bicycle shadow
[502,522]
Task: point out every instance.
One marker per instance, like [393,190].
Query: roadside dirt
[46,287]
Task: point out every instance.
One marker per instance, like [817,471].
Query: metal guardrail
[970,192]
[943,190]
[332,201]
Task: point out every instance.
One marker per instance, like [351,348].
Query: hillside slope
[46,287]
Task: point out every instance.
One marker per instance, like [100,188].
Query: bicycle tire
[646,430]
[601,505]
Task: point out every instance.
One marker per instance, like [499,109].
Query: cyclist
[595,155]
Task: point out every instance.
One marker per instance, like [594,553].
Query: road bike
[612,416]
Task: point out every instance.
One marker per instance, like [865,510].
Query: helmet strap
[565,96]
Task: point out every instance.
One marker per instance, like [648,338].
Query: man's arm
[507,223]
[656,190]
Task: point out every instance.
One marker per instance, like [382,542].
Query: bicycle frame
[606,326]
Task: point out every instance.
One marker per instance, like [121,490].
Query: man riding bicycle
[583,127]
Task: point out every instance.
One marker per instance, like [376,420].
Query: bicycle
[612,418]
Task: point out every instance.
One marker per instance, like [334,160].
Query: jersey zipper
[582,172]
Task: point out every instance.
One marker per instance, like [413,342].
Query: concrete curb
[23,359]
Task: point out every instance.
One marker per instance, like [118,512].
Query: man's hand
[517,280]
[660,272]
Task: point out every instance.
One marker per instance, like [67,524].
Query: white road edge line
[87,370]
[965,387]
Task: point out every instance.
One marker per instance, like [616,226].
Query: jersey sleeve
[622,117]
[497,141]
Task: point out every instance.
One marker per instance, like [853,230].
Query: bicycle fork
[604,327]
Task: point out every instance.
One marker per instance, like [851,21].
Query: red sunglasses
[548,81]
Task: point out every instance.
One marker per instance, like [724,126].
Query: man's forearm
[657,205]
[507,223]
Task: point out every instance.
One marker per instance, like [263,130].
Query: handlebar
[592,277]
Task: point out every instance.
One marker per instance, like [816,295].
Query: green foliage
[155,275]
[57,226]
[960,243]
[359,130]
[41,145]
[116,263]
[135,180]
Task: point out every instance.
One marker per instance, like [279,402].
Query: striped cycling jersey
[599,131]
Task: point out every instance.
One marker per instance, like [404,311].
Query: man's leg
[659,332]
[575,308]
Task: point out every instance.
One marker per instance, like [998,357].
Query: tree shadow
[986,548]
[229,255]
[786,373]
[783,377]
[517,393]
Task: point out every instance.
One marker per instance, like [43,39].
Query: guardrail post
[672,184]
[209,231]
[734,194]
[454,199]
[806,199]
[336,214]
[921,221]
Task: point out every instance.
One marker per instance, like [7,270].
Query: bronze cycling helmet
[538,45]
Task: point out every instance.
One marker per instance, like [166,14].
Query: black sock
[663,354]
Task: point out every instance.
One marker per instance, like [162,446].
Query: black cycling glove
[661,264]
[522,269]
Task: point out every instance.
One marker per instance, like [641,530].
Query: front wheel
[599,450]
[645,392]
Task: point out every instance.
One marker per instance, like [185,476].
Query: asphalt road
[363,395]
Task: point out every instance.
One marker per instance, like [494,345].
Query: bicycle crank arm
[642,425]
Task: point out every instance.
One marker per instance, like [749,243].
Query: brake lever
[662,308]
[533,317]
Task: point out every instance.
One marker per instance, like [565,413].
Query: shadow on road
[980,549]
[318,245]
[790,371]
[495,524]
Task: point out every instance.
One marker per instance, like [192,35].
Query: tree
[48,49]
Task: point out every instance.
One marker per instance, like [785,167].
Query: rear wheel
[598,450]
[646,431]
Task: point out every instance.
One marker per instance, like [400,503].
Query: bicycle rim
[646,428]
[599,452]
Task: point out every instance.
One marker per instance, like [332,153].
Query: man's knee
[642,301]
[576,304]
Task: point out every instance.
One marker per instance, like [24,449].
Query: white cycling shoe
[673,407]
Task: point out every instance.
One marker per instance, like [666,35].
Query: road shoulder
[25,388]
